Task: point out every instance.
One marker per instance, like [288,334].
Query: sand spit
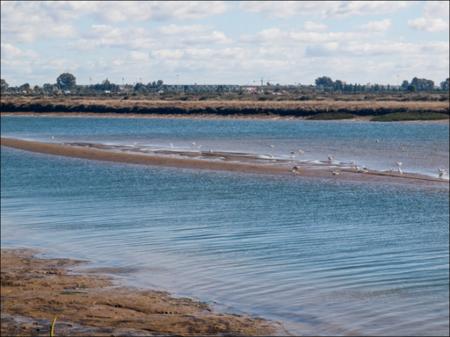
[35,290]
[219,161]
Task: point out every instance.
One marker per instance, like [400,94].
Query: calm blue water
[322,257]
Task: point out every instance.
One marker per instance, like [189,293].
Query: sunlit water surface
[322,257]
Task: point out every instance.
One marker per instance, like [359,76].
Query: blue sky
[283,42]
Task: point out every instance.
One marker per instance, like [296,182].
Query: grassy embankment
[317,110]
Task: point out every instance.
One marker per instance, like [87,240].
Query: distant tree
[338,85]
[66,81]
[47,88]
[422,84]
[220,89]
[324,81]
[405,85]
[159,83]
[25,88]
[4,86]
[37,90]
[140,88]
[106,85]
[444,85]
[411,88]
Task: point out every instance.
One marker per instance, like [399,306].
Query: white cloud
[11,52]
[276,36]
[435,17]
[27,21]
[322,8]
[139,56]
[377,26]
[314,26]
[194,34]
[436,9]
[157,10]
[146,39]
[429,24]
[118,40]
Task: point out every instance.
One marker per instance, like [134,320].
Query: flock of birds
[331,160]
[296,169]
[360,169]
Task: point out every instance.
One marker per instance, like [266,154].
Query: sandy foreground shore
[227,162]
[35,290]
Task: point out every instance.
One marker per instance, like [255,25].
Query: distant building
[251,89]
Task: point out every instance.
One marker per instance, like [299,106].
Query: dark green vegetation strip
[410,116]
[321,110]
[331,116]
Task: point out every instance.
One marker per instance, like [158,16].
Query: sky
[227,42]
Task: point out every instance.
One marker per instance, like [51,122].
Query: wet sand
[218,161]
[35,290]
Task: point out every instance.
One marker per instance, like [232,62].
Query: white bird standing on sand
[330,159]
[441,173]
[300,151]
[296,169]
[399,164]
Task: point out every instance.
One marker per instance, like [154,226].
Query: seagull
[53,137]
[193,144]
[336,172]
[300,151]
[442,172]
[295,169]
[377,141]
[330,159]
[272,146]
[399,164]
[171,145]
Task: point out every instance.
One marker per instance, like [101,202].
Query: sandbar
[226,164]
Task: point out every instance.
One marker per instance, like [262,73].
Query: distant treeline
[66,85]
